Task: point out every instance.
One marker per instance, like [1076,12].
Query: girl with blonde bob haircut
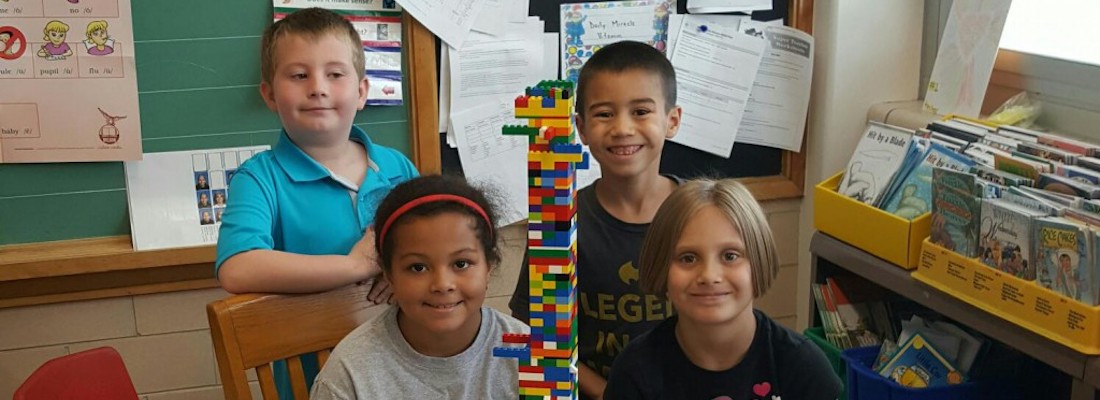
[711,253]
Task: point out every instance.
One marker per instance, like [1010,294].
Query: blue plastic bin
[866,384]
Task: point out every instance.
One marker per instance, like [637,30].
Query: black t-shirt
[780,364]
[611,308]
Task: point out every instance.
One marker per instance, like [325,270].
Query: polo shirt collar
[300,167]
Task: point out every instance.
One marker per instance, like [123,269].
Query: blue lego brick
[583,164]
[568,148]
[547,102]
[512,352]
[557,374]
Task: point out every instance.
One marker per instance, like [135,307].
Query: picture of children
[56,48]
[207,218]
[200,181]
[99,42]
[218,214]
[219,198]
[204,199]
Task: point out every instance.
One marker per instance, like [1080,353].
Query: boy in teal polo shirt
[299,216]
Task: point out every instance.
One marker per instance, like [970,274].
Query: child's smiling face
[440,276]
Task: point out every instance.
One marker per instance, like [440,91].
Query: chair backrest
[250,331]
[91,374]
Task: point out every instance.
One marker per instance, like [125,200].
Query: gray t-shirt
[375,362]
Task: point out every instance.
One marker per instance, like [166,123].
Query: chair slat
[322,356]
[267,382]
[297,377]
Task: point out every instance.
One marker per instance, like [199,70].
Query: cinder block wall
[165,341]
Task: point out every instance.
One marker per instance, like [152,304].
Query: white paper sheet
[724,6]
[449,20]
[775,115]
[168,199]
[965,58]
[715,68]
[489,157]
[518,11]
[492,69]
[445,92]
[492,14]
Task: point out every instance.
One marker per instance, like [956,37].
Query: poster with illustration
[379,25]
[177,198]
[69,82]
[585,27]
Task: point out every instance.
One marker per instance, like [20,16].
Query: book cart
[878,236]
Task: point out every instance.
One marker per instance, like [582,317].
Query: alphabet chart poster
[69,82]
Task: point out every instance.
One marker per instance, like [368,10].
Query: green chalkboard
[198,77]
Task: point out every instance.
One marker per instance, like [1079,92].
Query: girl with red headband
[437,243]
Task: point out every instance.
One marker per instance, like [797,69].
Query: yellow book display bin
[878,232]
[1021,302]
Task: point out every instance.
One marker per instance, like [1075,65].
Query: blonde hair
[311,23]
[742,210]
[95,26]
[54,26]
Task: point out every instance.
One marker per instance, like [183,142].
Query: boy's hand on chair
[380,291]
[367,258]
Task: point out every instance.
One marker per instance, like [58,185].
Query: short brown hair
[620,57]
[311,23]
[734,200]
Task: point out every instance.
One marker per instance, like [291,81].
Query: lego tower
[548,356]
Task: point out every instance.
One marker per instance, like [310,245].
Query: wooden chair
[98,373]
[253,330]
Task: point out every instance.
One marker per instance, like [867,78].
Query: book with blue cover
[912,197]
[917,365]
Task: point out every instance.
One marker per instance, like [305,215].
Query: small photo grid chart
[213,172]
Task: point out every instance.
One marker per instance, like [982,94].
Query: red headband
[430,199]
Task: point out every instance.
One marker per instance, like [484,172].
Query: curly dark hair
[429,185]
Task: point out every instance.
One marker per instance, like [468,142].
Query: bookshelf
[830,254]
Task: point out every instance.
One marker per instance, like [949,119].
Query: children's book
[1006,237]
[1064,143]
[879,154]
[1000,177]
[1078,173]
[1048,152]
[913,196]
[1089,162]
[1067,186]
[917,365]
[1063,258]
[1022,167]
[855,317]
[1021,134]
[1020,197]
[956,211]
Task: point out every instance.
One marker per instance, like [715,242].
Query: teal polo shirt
[282,199]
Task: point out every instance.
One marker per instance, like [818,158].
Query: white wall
[866,52]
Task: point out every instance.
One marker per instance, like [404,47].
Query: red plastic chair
[96,374]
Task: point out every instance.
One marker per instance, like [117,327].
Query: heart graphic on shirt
[723,398]
[762,389]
